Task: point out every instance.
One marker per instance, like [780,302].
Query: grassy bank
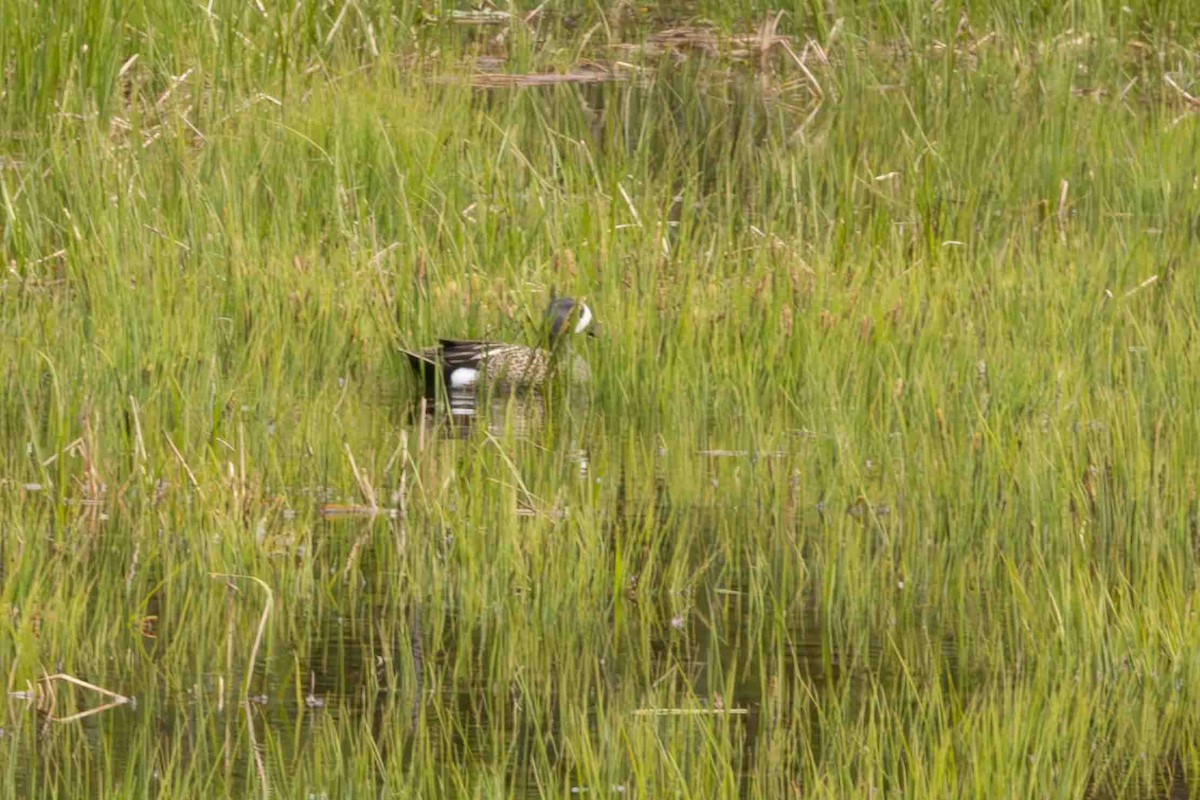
[890,444]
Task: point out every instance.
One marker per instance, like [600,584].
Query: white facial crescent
[585,318]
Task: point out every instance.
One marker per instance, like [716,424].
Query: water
[344,683]
[698,663]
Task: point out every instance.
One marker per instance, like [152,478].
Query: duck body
[466,364]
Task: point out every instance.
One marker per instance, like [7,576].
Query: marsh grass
[890,439]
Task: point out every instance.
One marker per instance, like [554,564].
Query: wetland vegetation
[884,483]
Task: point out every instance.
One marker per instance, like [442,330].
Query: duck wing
[471,353]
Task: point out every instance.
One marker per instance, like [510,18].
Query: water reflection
[528,415]
[517,414]
[522,414]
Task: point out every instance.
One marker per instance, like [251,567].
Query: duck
[466,365]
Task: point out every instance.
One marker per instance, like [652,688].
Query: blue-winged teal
[467,364]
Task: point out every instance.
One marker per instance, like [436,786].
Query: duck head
[565,315]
